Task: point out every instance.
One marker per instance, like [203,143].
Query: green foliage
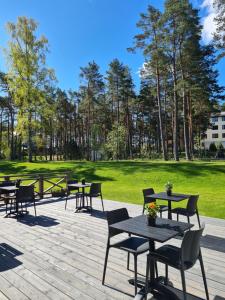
[27,74]
[116,142]
[212,147]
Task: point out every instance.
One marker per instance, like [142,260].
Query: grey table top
[163,231]
[8,188]
[176,197]
[79,185]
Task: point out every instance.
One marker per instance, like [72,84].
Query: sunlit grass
[124,180]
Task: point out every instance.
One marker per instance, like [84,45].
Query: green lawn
[124,180]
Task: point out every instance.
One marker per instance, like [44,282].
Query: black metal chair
[181,258]
[71,189]
[133,245]
[150,191]
[95,191]
[190,210]
[25,196]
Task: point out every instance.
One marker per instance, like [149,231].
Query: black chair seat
[163,208]
[133,244]
[170,255]
[182,258]
[182,211]
[91,195]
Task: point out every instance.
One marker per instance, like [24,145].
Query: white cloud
[209,26]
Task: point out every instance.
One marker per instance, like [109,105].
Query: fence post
[41,186]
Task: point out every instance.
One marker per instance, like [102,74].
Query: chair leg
[177,217]
[183,283]
[160,214]
[102,204]
[156,270]
[166,275]
[143,210]
[35,209]
[147,276]
[135,275]
[128,261]
[188,218]
[105,265]
[203,275]
[199,224]
[66,201]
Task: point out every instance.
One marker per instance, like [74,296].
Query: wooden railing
[40,180]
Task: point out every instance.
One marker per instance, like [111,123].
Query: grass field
[124,180]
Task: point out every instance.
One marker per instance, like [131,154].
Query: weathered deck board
[60,255]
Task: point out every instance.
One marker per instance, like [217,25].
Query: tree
[115,142]
[27,74]
[120,94]
[150,40]
[92,91]
[219,35]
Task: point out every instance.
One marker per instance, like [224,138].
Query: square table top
[79,185]
[176,197]
[163,231]
[8,188]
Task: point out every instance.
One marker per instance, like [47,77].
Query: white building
[216,133]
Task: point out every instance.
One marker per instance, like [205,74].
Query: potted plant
[169,187]
[58,193]
[151,210]
[83,180]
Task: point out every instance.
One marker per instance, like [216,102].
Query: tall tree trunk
[175,112]
[12,146]
[162,139]
[29,137]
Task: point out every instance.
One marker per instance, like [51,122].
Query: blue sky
[80,31]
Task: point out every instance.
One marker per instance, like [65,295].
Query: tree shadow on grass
[185,168]
[79,171]
[88,169]
[7,167]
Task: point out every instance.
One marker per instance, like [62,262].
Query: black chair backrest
[72,181]
[72,188]
[18,182]
[116,216]
[190,246]
[147,192]
[192,204]
[95,189]
[25,193]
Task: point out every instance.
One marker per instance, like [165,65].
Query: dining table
[10,189]
[163,231]
[81,195]
[174,197]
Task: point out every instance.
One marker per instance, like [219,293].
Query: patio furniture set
[17,197]
[141,237]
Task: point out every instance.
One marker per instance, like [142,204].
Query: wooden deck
[60,255]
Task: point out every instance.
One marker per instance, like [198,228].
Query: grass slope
[124,180]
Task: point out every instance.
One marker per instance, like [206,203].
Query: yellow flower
[152,205]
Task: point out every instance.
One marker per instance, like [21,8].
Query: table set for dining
[161,232]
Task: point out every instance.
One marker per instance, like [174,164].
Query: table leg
[169,210]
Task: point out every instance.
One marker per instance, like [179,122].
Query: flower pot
[169,192]
[151,221]
[83,181]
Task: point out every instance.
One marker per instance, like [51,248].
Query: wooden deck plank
[62,254]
